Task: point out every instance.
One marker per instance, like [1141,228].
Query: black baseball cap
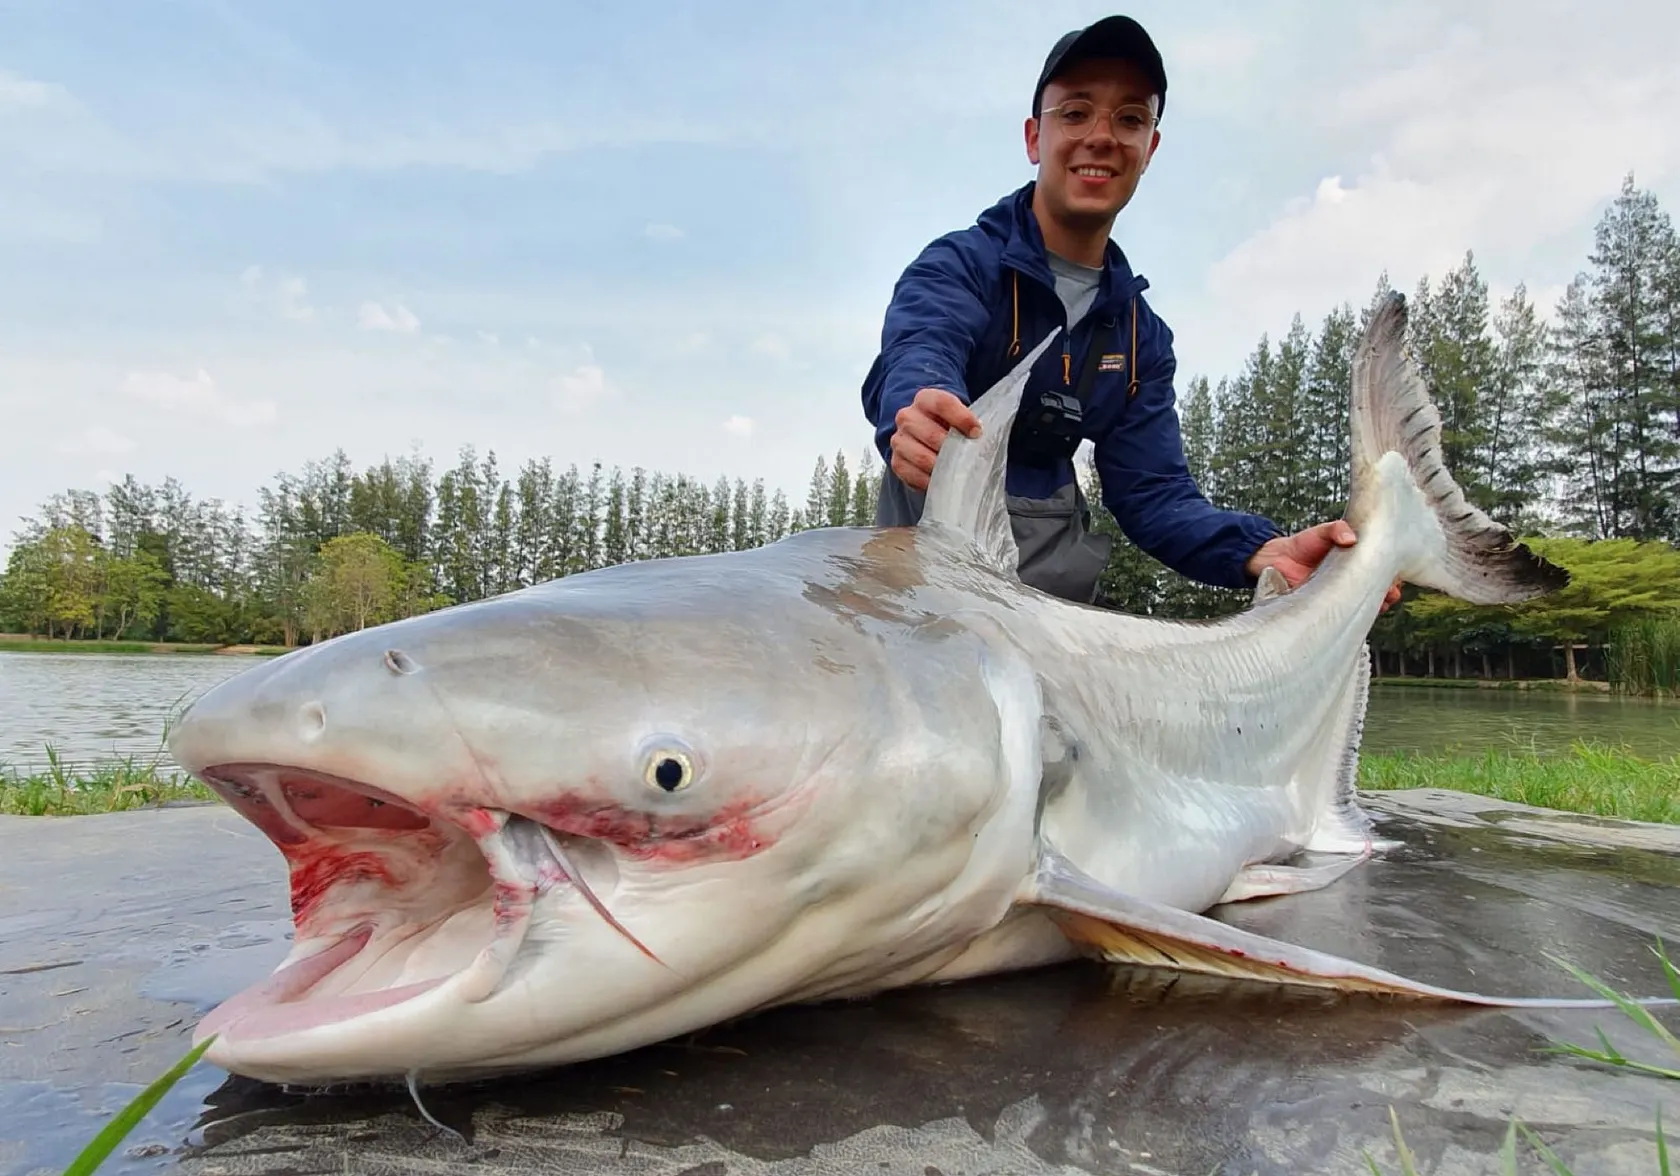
[1113,36]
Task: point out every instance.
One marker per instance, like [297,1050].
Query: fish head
[580,818]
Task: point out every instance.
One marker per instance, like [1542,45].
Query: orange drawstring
[1131,391]
[1015,341]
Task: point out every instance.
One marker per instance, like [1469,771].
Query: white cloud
[17,90]
[1212,68]
[293,301]
[374,317]
[489,338]
[739,426]
[44,217]
[96,440]
[291,293]
[242,135]
[580,389]
[197,397]
[772,345]
[663,232]
[1466,144]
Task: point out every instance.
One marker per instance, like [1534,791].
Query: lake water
[93,706]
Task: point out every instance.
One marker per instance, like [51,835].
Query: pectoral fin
[1122,928]
[1269,881]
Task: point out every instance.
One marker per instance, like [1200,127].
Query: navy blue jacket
[977,299]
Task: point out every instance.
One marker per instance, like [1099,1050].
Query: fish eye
[669,770]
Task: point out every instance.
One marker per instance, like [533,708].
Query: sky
[239,234]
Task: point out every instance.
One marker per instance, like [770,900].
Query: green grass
[13,644]
[1608,1055]
[1643,657]
[109,787]
[1560,685]
[1592,779]
[100,1147]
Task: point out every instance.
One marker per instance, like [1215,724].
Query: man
[976,300]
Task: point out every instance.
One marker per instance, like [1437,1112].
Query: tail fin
[1465,553]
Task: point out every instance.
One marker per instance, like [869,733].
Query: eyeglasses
[1076,117]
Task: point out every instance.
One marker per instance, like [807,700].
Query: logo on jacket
[1115,362]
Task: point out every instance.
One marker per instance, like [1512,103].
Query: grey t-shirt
[1076,285]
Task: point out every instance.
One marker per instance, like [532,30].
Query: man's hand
[920,430]
[1297,555]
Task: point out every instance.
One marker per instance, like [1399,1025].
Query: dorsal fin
[966,492]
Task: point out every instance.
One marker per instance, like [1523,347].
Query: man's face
[1089,180]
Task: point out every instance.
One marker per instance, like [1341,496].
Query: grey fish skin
[602,811]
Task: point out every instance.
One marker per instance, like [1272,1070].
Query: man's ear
[1030,131]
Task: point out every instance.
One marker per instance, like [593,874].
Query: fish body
[599,812]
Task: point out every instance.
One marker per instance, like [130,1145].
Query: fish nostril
[312,720]
[399,662]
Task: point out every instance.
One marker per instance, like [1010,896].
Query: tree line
[1567,431]
[332,549]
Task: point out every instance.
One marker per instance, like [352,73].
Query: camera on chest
[1047,429]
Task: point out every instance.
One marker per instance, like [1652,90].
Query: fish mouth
[392,903]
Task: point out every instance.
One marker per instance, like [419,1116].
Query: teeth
[1098,172]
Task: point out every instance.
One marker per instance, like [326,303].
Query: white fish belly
[1214,755]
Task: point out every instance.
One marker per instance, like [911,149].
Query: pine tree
[1324,412]
[1577,376]
[717,532]
[740,533]
[816,499]
[758,516]
[1451,341]
[1633,251]
[635,516]
[1517,415]
[1289,499]
[588,532]
[615,537]
[1197,429]
[838,500]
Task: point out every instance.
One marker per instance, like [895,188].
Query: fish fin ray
[1467,555]
[1345,827]
[967,491]
[1124,928]
[1270,879]
[1271,585]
